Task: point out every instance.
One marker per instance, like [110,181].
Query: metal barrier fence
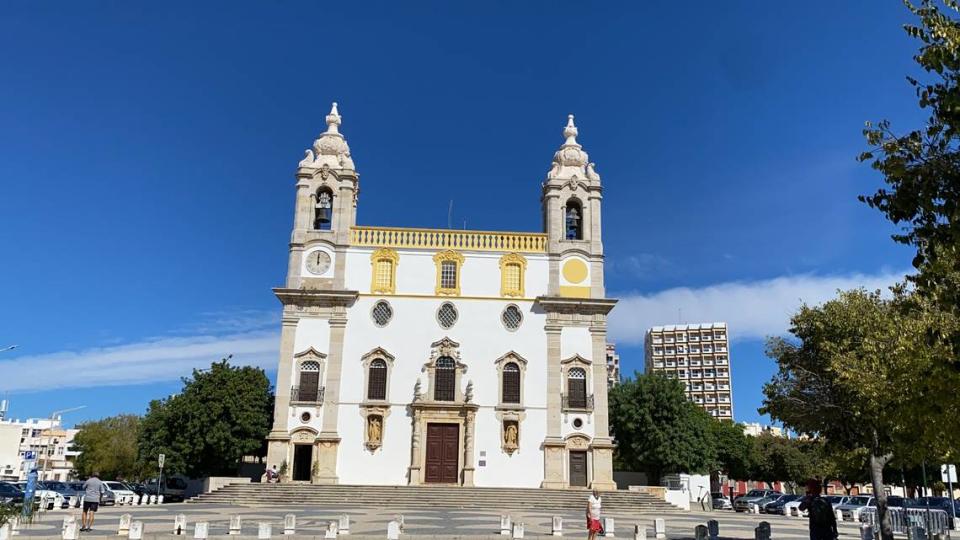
[935,522]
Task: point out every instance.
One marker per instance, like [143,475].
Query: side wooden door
[578,468]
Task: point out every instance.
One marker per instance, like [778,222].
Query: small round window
[511,317]
[382,313]
[447,315]
[305,417]
[577,423]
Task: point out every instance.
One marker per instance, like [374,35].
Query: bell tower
[571,201]
[326,208]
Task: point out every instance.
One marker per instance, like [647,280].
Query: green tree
[657,429]
[860,372]
[736,452]
[221,415]
[921,168]
[108,446]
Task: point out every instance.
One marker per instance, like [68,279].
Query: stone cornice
[585,306]
[315,298]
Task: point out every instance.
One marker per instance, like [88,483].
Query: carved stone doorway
[578,468]
[302,462]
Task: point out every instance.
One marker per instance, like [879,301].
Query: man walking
[93,490]
[593,515]
[823,522]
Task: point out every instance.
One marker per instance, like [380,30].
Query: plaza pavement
[420,523]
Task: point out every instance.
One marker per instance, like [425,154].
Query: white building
[46,438]
[755,429]
[412,356]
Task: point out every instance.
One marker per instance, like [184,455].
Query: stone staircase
[423,497]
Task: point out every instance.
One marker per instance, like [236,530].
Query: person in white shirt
[593,515]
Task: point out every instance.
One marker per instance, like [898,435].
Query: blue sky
[147,154]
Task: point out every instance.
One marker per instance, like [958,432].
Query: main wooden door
[578,468]
[443,453]
[302,462]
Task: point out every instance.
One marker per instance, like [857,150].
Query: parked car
[121,492]
[776,506]
[754,496]
[71,496]
[936,503]
[47,499]
[855,504]
[174,488]
[10,493]
[721,501]
[792,508]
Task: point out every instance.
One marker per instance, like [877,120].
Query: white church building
[419,356]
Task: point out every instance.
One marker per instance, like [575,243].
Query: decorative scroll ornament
[330,149]
[571,161]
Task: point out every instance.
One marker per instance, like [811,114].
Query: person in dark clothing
[823,522]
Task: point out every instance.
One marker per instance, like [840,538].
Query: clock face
[318,262]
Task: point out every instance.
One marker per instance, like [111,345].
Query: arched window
[323,210]
[377,380]
[511,383]
[574,220]
[577,388]
[309,389]
[445,388]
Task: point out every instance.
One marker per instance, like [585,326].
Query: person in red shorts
[593,515]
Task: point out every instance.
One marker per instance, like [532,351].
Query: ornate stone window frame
[373,310]
[375,408]
[507,260]
[578,442]
[309,355]
[504,323]
[576,361]
[446,347]
[384,255]
[448,256]
[521,362]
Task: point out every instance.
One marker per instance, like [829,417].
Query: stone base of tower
[553,477]
[602,453]
[325,466]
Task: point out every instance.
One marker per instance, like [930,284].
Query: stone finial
[330,149]
[570,132]
[571,162]
[333,120]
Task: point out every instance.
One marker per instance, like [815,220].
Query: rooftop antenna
[450,215]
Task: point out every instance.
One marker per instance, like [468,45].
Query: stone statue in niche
[511,436]
[374,431]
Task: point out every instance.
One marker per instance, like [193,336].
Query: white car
[48,499]
[121,493]
[792,508]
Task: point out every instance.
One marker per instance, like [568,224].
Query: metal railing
[577,402]
[448,239]
[901,519]
[312,397]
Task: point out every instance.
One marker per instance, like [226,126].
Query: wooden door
[578,469]
[302,462]
[443,453]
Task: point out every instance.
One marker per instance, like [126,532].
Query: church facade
[418,356]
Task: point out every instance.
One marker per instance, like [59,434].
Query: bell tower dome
[326,209]
[571,200]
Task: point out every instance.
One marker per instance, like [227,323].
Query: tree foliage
[221,415]
[108,446]
[735,452]
[860,372]
[657,429]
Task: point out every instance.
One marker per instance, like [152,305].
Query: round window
[382,313]
[305,417]
[577,423]
[511,317]
[447,315]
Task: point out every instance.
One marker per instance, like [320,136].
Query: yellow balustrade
[395,237]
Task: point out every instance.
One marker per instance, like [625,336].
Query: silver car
[855,504]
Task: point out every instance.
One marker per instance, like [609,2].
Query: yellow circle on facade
[574,270]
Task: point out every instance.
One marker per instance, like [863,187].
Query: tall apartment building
[699,356]
[50,443]
[613,366]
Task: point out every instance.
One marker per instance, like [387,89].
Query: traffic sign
[29,455]
[160,459]
[948,473]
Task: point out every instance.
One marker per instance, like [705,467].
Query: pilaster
[329,440]
[598,337]
[281,408]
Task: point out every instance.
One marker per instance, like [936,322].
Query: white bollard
[331,531]
[235,525]
[343,524]
[660,527]
[393,530]
[557,526]
[159,499]
[754,508]
[264,531]
[136,531]
[137,500]
[956,524]
[713,529]
[14,526]
[855,516]
[124,528]
[639,532]
[289,524]
[201,530]
[609,527]
[180,525]
[518,529]
[70,529]
[153,500]
[866,532]
[506,525]
[401,522]
[6,531]
[837,513]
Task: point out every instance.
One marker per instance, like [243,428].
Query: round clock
[318,262]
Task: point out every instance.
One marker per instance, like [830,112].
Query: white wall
[10,450]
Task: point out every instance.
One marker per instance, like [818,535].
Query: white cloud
[154,360]
[752,310]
